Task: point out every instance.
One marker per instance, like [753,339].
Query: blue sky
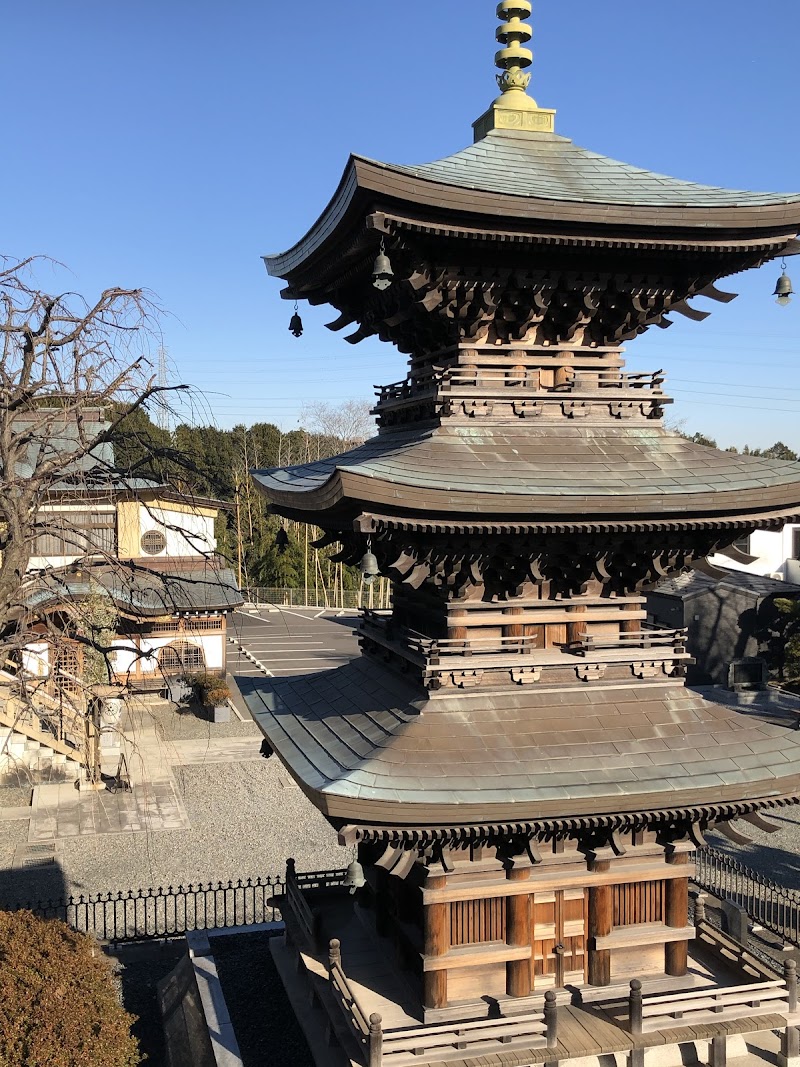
[170,143]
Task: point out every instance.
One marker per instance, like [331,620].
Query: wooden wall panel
[638,902]
[476,921]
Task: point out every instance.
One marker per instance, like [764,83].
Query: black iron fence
[149,914]
[775,907]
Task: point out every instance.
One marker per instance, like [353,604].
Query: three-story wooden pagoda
[515,754]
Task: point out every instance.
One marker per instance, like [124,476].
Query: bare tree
[73,374]
[341,426]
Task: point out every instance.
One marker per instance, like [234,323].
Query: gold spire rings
[514,109]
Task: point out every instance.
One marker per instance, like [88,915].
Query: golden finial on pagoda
[514,109]
[513,59]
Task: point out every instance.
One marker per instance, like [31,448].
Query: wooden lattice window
[153,542]
[181,657]
[75,533]
[474,921]
[640,902]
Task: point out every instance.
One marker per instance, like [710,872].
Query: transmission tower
[162,409]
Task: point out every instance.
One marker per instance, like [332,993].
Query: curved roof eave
[431,188]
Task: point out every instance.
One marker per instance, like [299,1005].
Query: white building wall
[773,550]
[186,535]
[36,659]
[213,646]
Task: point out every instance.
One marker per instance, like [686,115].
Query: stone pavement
[61,810]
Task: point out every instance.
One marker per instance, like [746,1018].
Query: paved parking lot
[205,805]
[291,641]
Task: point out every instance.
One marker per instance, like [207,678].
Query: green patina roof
[550,167]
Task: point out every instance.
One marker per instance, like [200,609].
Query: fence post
[551,1018]
[334,955]
[291,871]
[790,977]
[375,1040]
[635,1006]
[700,908]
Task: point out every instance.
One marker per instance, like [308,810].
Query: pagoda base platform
[358,1007]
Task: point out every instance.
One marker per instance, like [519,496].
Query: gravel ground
[190,725]
[775,855]
[263,1020]
[13,793]
[246,818]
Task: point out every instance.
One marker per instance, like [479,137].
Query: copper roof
[550,167]
[368,747]
[521,469]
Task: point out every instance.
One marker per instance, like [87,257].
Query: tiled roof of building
[184,586]
[550,167]
[691,583]
[368,746]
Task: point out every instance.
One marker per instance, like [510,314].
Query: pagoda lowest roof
[368,746]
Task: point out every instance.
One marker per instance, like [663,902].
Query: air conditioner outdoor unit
[777,576]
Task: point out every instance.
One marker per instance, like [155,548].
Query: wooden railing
[433,649]
[493,377]
[635,639]
[298,904]
[383,1047]
[368,1031]
[652,1012]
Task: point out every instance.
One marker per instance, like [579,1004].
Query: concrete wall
[723,625]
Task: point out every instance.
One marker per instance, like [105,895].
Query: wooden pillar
[601,920]
[436,939]
[456,628]
[518,932]
[513,629]
[576,631]
[676,913]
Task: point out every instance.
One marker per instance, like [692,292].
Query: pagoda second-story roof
[570,473]
[525,178]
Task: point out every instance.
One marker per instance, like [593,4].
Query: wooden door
[559,938]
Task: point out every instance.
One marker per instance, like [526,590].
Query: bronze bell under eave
[783,290]
[382,272]
[296,325]
[369,567]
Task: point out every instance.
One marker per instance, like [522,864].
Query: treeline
[204,461]
[777,451]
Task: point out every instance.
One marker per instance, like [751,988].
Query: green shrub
[59,1003]
[211,690]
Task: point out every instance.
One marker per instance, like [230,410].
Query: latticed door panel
[559,938]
